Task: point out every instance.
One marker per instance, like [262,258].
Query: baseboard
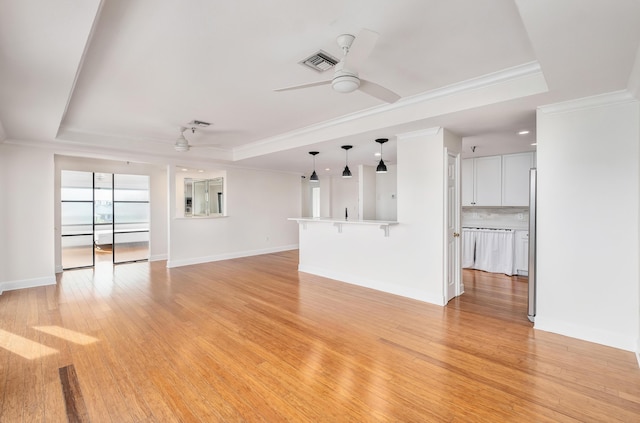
[586,333]
[373,284]
[59,269]
[27,283]
[158,257]
[229,256]
[638,353]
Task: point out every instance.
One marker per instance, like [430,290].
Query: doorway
[104,218]
[453,269]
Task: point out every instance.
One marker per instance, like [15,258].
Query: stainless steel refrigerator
[533,176]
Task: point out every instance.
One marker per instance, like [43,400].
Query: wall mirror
[203,197]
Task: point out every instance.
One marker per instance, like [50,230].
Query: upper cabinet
[497,181]
[515,179]
[482,181]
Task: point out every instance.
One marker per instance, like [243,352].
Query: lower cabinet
[521,253]
[496,250]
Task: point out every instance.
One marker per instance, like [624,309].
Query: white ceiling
[120,77]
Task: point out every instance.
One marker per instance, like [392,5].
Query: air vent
[320,61]
[199,123]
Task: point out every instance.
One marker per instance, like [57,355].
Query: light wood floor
[253,340]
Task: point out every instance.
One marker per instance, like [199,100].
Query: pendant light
[346,173]
[382,168]
[314,175]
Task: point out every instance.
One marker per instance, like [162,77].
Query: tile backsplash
[496,218]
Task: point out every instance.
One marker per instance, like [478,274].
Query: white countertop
[343,221]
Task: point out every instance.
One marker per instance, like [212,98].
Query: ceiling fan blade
[361,48]
[205,145]
[296,87]
[378,91]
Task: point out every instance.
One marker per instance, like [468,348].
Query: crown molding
[285,140]
[600,100]
[420,133]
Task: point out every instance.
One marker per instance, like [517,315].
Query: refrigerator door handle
[531,312]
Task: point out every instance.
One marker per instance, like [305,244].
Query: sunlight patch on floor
[24,347]
[67,334]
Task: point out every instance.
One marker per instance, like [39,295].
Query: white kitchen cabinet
[482,181]
[515,178]
[521,259]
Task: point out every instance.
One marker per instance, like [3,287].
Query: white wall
[325,195]
[27,218]
[587,217]
[367,192]
[158,246]
[258,205]
[410,261]
[344,194]
[386,193]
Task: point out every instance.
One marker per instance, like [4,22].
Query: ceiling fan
[345,78]
[182,144]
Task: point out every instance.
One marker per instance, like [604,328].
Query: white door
[452,213]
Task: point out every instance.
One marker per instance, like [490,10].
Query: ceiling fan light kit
[345,83]
[182,144]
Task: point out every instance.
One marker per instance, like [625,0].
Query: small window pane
[77,251]
[131,212]
[131,246]
[131,188]
[76,186]
[76,214]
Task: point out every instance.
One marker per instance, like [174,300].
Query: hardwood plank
[253,339]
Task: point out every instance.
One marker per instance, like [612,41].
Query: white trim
[373,284]
[27,283]
[158,257]
[420,133]
[59,269]
[600,100]
[638,353]
[229,256]
[586,333]
[515,73]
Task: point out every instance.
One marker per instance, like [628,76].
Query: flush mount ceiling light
[523,132]
[382,168]
[346,173]
[314,175]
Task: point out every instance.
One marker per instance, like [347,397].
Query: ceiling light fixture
[346,173]
[523,132]
[182,144]
[382,168]
[314,175]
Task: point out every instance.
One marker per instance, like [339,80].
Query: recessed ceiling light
[327,169]
[534,143]
[523,132]
[377,154]
[184,169]
[200,170]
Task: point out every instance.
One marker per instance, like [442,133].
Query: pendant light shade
[314,175]
[382,168]
[346,173]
